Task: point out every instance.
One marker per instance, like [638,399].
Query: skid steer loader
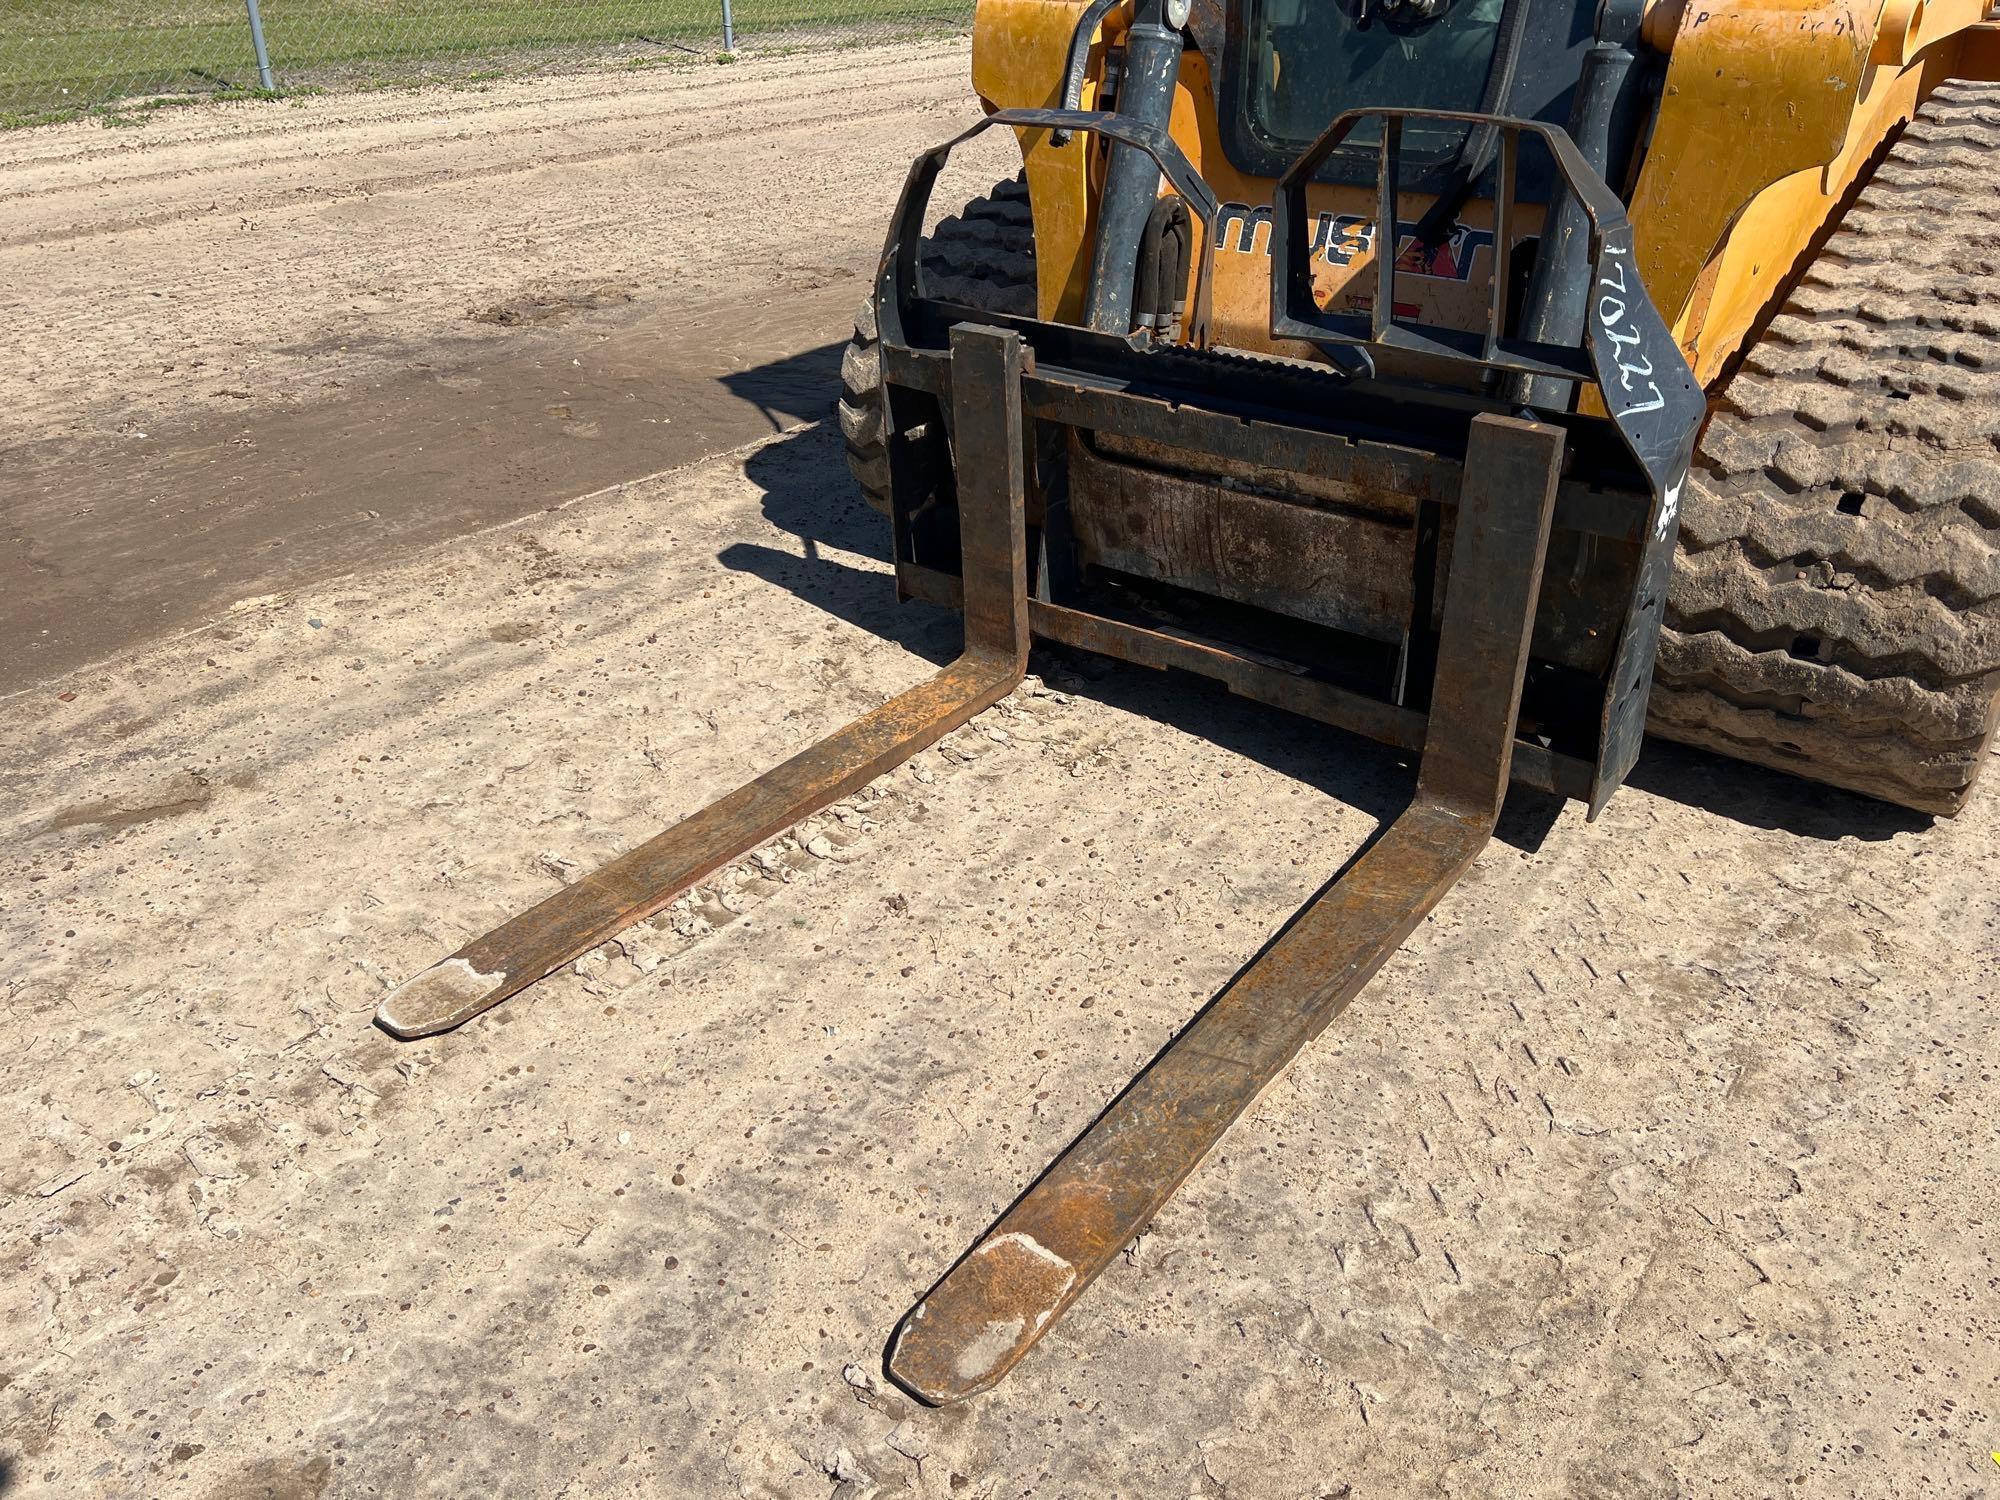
[1488,377]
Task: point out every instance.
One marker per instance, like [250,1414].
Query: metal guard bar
[1087,27]
[896,277]
[1627,349]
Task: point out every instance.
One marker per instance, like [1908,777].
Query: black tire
[982,256]
[1835,609]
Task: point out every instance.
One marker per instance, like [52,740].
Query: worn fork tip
[923,1359]
[975,1325]
[445,995]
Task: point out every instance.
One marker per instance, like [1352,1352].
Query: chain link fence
[63,57]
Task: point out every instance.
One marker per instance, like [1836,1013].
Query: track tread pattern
[1835,608]
[982,256]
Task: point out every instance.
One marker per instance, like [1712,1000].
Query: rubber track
[1835,609]
[982,256]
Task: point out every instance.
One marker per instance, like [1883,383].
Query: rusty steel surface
[1008,1290]
[1380,475]
[987,369]
[1278,684]
[1341,568]
[1350,496]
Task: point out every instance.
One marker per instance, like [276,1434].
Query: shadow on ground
[1765,798]
[809,493]
[798,388]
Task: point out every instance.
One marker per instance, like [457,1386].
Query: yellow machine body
[1771,111]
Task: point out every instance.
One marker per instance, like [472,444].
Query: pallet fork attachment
[991,1308]
[984,387]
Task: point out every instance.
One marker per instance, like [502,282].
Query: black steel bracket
[1627,351]
[1087,26]
[896,278]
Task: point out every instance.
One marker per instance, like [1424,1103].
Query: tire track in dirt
[237,134]
[411,181]
[1657,1135]
[190,266]
[46,219]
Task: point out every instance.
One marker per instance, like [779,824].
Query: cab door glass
[1309,60]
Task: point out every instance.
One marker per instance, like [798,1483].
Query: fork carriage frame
[1346,429]
[980,411]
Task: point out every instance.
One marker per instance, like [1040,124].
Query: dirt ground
[258,344]
[1659,1164]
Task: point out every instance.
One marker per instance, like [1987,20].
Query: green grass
[59,57]
[131,110]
